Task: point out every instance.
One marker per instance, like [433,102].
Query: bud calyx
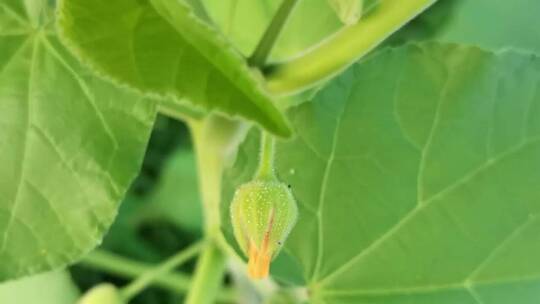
[263,213]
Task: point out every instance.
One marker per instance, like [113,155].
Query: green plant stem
[127,268]
[209,276]
[265,46]
[266,158]
[215,138]
[147,278]
[344,48]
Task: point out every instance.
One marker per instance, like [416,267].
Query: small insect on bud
[263,214]
[102,294]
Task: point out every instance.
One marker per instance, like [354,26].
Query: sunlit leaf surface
[161,47]
[71,145]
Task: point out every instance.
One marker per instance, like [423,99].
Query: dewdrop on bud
[102,294]
[263,214]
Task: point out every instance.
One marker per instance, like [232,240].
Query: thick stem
[265,46]
[266,160]
[209,276]
[147,278]
[215,138]
[344,48]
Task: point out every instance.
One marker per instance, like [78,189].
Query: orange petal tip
[258,264]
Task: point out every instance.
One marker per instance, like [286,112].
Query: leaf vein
[22,164]
[423,156]
[411,214]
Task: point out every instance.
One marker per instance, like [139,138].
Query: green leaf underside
[310,22]
[160,47]
[46,288]
[416,174]
[71,146]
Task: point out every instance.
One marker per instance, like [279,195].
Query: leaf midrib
[324,184]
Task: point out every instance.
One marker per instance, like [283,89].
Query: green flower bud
[102,294]
[263,214]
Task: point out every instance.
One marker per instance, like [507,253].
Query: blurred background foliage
[160,215]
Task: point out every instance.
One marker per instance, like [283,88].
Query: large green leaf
[46,288]
[160,47]
[71,145]
[244,22]
[416,174]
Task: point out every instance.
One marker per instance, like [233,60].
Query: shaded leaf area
[427,25]
[416,177]
[489,24]
[494,24]
[46,288]
[310,22]
[161,47]
[73,144]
